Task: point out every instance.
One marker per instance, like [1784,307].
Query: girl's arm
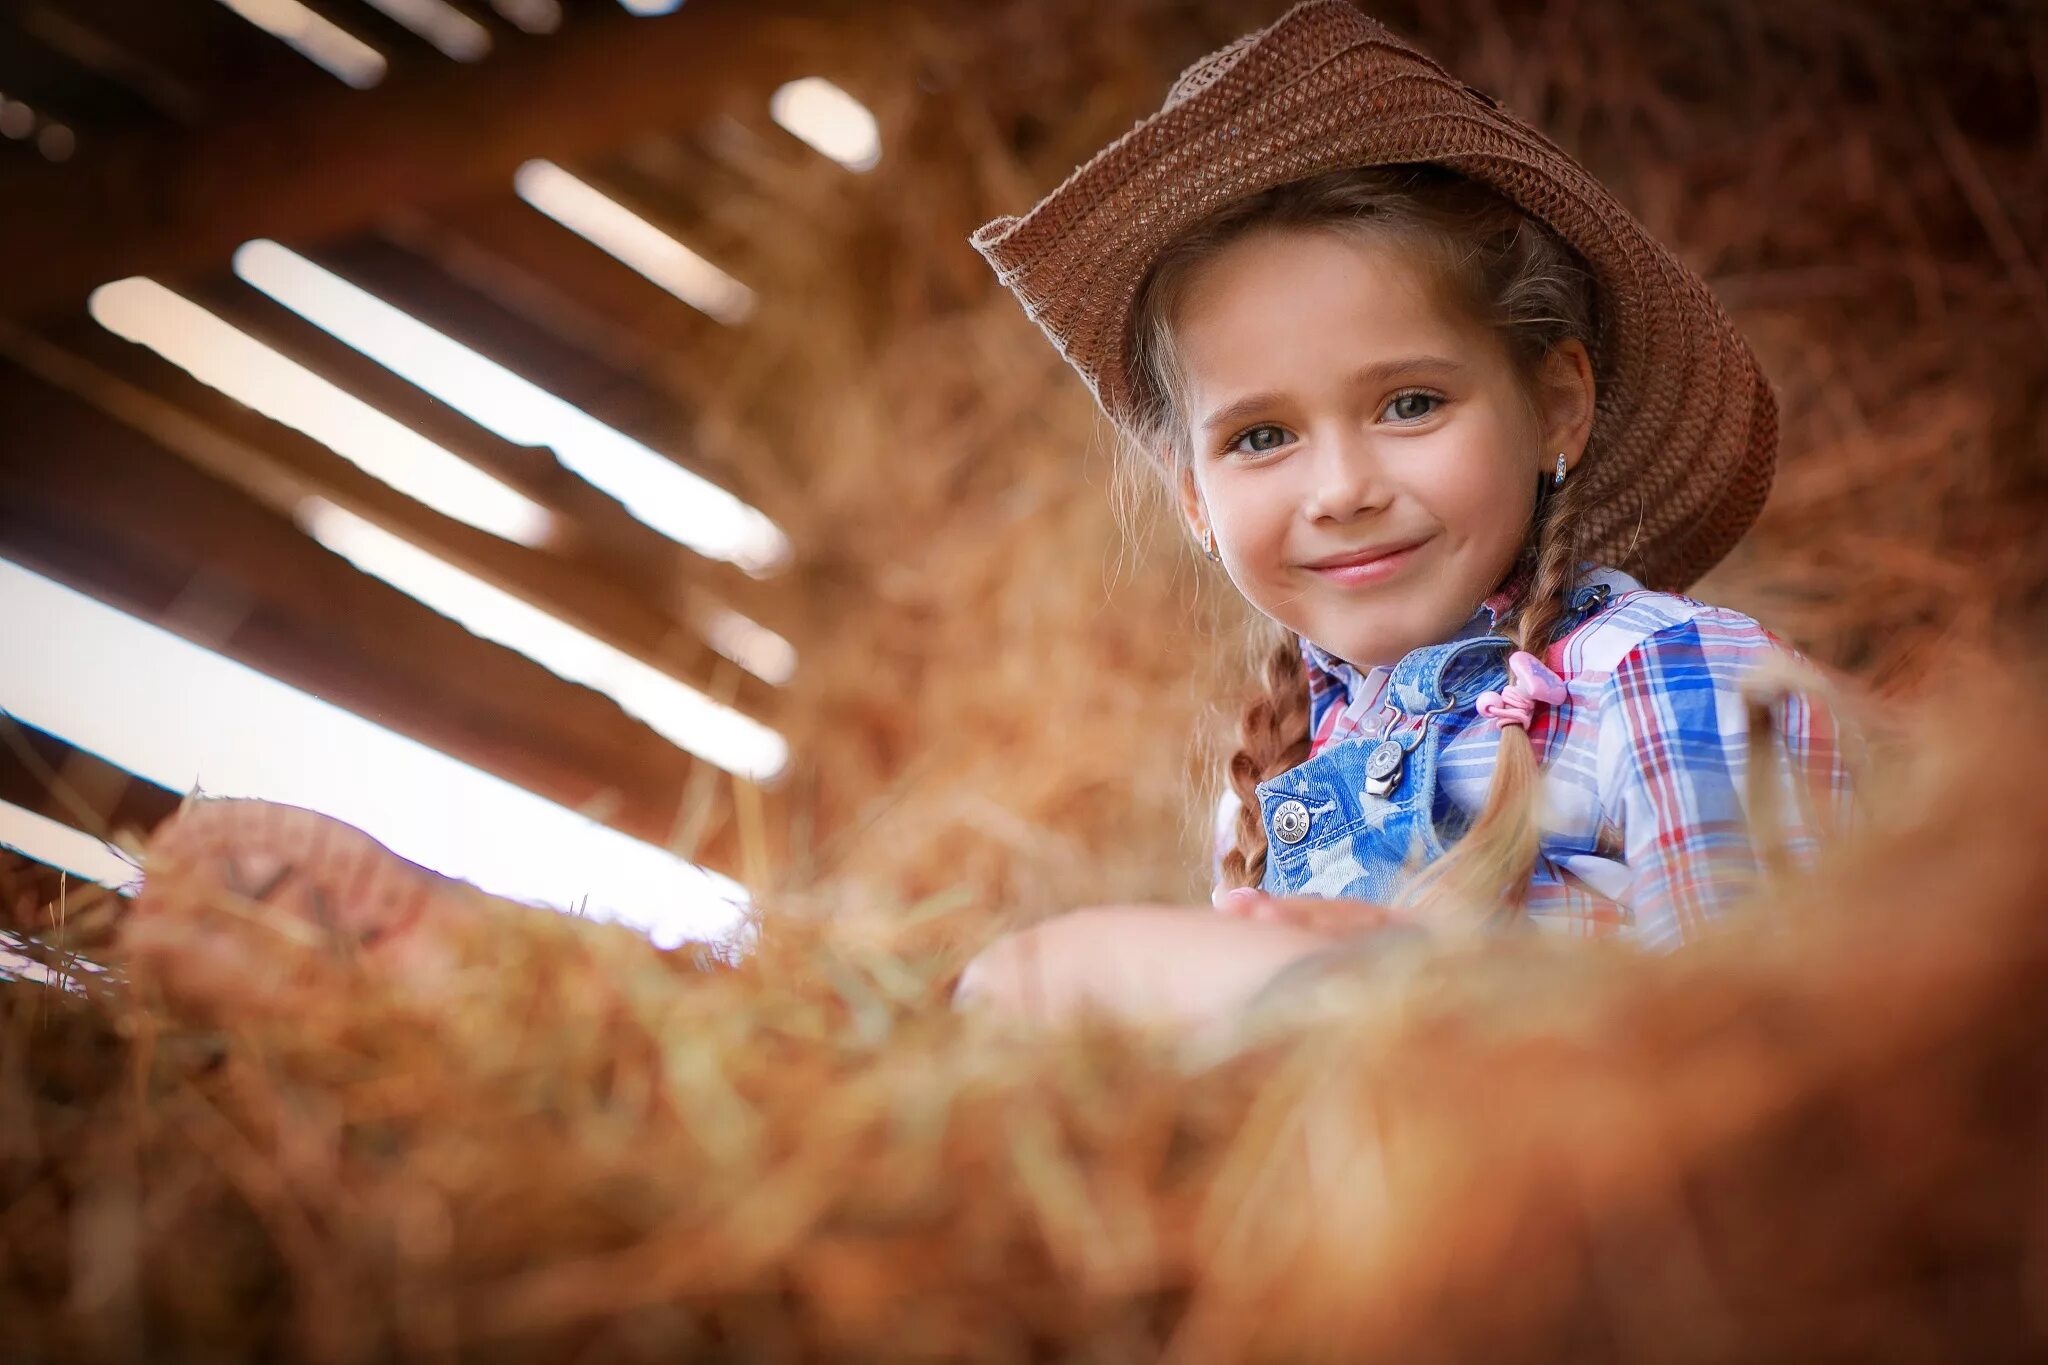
[1169,963]
[1333,916]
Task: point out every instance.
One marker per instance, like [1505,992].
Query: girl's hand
[1319,914]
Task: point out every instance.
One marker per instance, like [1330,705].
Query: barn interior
[574,441]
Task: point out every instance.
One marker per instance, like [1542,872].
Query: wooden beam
[315,163]
[457,295]
[99,505]
[282,468]
[687,178]
[182,60]
[563,284]
[45,775]
[411,265]
[600,536]
[534,472]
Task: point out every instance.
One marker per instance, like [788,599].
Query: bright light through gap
[55,844]
[333,48]
[530,16]
[612,227]
[671,708]
[440,23]
[285,391]
[749,644]
[830,120]
[688,509]
[178,715]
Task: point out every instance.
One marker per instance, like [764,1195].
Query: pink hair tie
[1533,683]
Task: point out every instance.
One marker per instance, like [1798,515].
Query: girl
[1460,430]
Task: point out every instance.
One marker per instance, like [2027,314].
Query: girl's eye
[1406,405]
[1261,438]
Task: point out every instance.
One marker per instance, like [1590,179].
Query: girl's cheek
[1257,528]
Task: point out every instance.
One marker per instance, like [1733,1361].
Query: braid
[1272,737]
[1486,873]
[1557,553]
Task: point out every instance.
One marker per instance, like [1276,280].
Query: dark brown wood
[683,179]
[572,289]
[320,162]
[463,295]
[98,505]
[459,295]
[281,467]
[41,773]
[189,61]
[600,537]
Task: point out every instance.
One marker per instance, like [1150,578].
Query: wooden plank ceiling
[184,131]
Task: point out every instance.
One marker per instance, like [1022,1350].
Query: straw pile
[1815,1139]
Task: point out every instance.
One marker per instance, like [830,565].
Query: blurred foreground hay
[1818,1138]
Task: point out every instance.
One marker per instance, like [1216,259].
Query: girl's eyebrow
[1377,373]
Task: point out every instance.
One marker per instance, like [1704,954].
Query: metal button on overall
[1290,821]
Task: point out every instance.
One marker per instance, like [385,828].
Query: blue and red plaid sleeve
[1674,759]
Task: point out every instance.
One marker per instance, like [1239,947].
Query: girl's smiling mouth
[1368,565]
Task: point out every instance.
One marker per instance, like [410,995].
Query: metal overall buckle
[1389,758]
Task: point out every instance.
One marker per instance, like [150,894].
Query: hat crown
[1307,32]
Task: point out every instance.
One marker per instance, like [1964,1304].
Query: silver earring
[1209,546]
[1558,478]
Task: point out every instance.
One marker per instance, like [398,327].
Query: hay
[1814,1137]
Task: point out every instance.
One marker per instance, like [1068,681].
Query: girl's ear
[1566,403]
[1190,501]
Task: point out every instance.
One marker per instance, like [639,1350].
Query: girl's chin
[1371,656]
[1388,645]
[1360,651]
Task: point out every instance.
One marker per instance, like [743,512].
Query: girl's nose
[1346,480]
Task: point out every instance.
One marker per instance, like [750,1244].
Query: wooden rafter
[45,775]
[466,309]
[184,61]
[570,289]
[321,163]
[98,504]
[282,467]
[453,295]
[600,536]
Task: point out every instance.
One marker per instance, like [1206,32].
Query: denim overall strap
[1335,826]
[1440,677]
[1329,831]
[1454,673]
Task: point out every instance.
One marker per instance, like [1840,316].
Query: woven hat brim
[1688,417]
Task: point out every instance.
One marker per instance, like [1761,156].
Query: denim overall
[1360,818]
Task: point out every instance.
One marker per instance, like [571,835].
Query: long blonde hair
[1513,275]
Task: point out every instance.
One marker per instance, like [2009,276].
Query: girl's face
[1365,456]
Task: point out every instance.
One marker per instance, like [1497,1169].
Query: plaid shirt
[1645,833]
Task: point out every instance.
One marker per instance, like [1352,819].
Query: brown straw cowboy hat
[1688,419]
